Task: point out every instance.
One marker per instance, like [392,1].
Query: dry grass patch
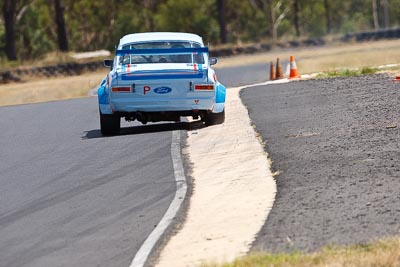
[385,253]
[327,58]
[49,89]
[52,58]
[309,60]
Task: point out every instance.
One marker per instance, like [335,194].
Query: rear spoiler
[161,51]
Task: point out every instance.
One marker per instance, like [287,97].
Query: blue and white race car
[160,76]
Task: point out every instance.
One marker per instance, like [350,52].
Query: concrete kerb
[233,187]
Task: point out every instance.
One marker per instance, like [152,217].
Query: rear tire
[110,124]
[214,118]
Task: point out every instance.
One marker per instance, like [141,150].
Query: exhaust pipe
[142,117]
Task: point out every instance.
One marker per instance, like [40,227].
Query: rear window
[170,58]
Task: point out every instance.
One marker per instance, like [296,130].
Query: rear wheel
[110,124]
[214,118]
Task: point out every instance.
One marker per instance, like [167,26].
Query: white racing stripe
[143,253]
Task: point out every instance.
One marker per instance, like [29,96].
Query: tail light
[121,89]
[204,87]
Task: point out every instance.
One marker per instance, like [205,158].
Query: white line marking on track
[143,253]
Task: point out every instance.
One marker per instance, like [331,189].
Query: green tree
[327,7]
[61,28]
[35,34]
[296,15]
[222,21]
[189,16]
[30,28]
[9,10]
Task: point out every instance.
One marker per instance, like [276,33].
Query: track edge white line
[146,248]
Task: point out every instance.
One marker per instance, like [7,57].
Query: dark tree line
[9,10]
[60,22]
[31,28]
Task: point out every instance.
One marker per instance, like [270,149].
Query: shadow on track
[153,128]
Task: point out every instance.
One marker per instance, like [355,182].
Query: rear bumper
[110,103]
[150,104]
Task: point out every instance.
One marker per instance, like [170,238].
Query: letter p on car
[146,89]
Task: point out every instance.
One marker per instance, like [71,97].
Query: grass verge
[348,72]
[331,57]
[384,253]
[333,60]
[49,89]
[49,59]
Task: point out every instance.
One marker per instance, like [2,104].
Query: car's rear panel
[159,87]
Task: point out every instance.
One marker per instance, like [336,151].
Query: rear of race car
[160,84]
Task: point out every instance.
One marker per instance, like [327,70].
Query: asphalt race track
[240,76]
[70,197]
[336,144]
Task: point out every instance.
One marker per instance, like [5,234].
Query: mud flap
[220,98]
[221,93]
[104,101]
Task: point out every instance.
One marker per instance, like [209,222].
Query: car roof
[160,36]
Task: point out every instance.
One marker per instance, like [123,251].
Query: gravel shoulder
[336,143]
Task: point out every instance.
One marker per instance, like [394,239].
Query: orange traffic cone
[272,73]
[293,69]
[279,71]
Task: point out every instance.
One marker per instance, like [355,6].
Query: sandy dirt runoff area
[233,191]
